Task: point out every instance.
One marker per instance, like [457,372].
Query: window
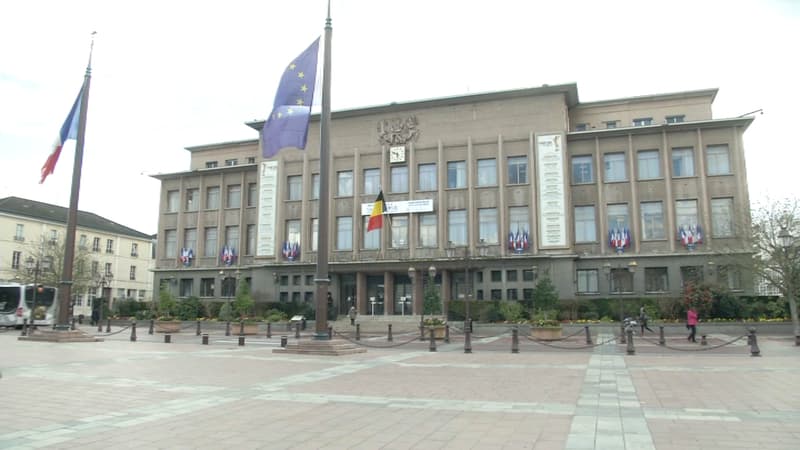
[251,160]
[618,220]
[234,196]
[192,199]
[399,179]
[171,243]
[582,170]
[611,124]
[457,227]
[683,162]
[496,276]
[731,277]
[585,226]
[96,244]
[614,167]
[206,287]
[691,274]
[518,170]
[372,239]
[649,165]
[587,281]
[173,200]
[109,246]
[372,181]
[642,121]
[344,233]
[722,217]
[511,294]
[621,281]
[309,280]
[314,233]
[134,249]
[399,231]
[190,238]
[456,174]
[655,279]
[231,162]
[250,245]
[142,293]
[496,294]
[427,177]
[212,197]
[675,119]
[82,242]
[487,225]
[315,186]
[133,273]
[718,160]
[427,230]
[511,275]
[344,182]
[582,127]
[19,235]
[528,275]
[487,172]
[232,237]
[16,257]
[686,217]
[108,270]
[252,194]
[53,237]
[210,242]
[294,187]
[95,267]
[186,287]
[293,231]
[518,221]
[211,164]
[652,221]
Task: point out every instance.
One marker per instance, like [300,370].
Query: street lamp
[33,267]
[617,282]
[411,274]
[101,281]
[787,242]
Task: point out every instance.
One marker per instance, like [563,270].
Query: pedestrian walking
[95,316]
[691,324]
[643,320]
[353,313]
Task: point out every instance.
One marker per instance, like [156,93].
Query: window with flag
[585,226]
[457,227]
[399,231]
[518,229]
[487,225]
[487,172]
[344,233]
[427,177]
[689,231]
[652,220]
[517,169]
[372,181]
[372,239]
[582,169]
[456,174]
[649,164]
[427,230]
[683,162]
[232,237]
[619,237]
[614,167]
[190,238]
[718,160]
[170,243]
[399,179]
[210,242]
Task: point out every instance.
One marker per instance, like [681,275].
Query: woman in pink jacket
[691,323]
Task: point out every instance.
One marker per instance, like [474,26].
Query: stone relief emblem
[398,131]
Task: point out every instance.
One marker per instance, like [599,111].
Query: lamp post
[411,275]
[34,268]
[101,281]
[618,283]
[431,281]
[787,243]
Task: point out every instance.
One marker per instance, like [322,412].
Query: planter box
[438,331]
[546,333]
[168,326]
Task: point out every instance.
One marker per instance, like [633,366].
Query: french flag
[68,131]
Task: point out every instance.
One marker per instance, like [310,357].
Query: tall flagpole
[65,289]
[322,279]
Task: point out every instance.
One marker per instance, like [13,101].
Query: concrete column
[388,293]
[362,303]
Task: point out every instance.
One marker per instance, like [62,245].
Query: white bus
[17,301]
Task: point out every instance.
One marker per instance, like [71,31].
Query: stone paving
[183,395]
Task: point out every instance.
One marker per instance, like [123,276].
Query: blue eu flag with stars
[287,126]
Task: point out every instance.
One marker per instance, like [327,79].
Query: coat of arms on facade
[398,131]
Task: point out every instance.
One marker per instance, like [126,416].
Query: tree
[54,251]
[431,302]
[243,305]
[775,262]
[545,295]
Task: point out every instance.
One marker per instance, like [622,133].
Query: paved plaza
[398,395]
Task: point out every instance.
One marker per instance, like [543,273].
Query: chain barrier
[114,332]
[474,336]
[363,344]
[579,347]
[698,349]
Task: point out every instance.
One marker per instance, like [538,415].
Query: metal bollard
[24,327]
[269,330]
[284,341]
[389,337]
[622,334]
[73,324]
[297,330]
[753,341]
[661,340]
[467,341]
[241,340]
[228,328]
[703,340]
[588,335]
[108,325]
[241,328]
[330,332]
[447,334]
[167,338]
[631,350]
[515,340]
[205,339]
[432,346]
[133,331]
[150,331]
[99,327]
[198,328]
[358,331]
[421,331]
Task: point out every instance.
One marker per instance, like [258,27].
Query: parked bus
[17,301]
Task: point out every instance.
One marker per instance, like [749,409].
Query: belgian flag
[376,218]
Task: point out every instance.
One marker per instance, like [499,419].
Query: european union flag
[287,126]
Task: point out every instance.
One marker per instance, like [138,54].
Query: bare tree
[53,251]
[776,231]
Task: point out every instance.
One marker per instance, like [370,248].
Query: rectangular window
[15,259]
[251,160]
[19,235]
[190,238]
[587,281]
[372,239]
[399,231]
[372,181]
[210,242]
[511,294]
[722,217]
[212,197]
[232,237]
[95,267]
[427,230]
[649,164]
[234,196]
[314,186]
[456,174]
[528,275]
[108,270]
[691,274]
[399,179]
[655,279]
[96,244]
[718,160]
[686,218]
[611,124]
[618,220]
[81,243]
[231,162]
[487,172]
[427,177]
[344,233]
[614,167]
[206,287]
[211,164]
[134,249]
[457,227]
[511,275]
[314,233]
[675,119]
[731,277]
[252,194]
[170,243]
[133,273]
[585,226]
[293,231]
[683,162]
[582,127]
[496,276]
[621,281]
[487,225]
[652,221]
[642,121]
[294,187]
[186,287]
[250,248]
[518,219]
[582,170]
[173,200]
[344,183]
[517,170]
[192,199]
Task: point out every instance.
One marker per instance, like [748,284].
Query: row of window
[230,162]
[16,260]
[92,294]
[637,122]
[656,279]
[82,242]
[210,240]
[233,198]
[648,164]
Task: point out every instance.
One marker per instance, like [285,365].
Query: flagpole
[65,290]
[322,279]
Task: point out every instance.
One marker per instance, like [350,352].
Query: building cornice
[666,127]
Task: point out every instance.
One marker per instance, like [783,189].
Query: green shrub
[226,312]
[511,311]
[189,309]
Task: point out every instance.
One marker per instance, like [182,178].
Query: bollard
[631,350]
[421,331]
[661,340]
[24,327]
[108,325]
[241,340]
[797,340]
[470,325]
[205,339]
[753,341]
[622,334]
[703,340]
[432,346]
[389,337]
[358,331]
[269,330]
[330,332]
[588,335]
[133,331]
[99,327]
[167,338]
[447,334]
[198,328]
[284,340]
[228,328]
[467,341]
[241,328]
[515,340]
[73,323]
[150,331]
[297,330]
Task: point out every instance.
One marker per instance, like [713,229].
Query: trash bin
[80,319]
[284,341]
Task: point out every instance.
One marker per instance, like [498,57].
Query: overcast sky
[172,74]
